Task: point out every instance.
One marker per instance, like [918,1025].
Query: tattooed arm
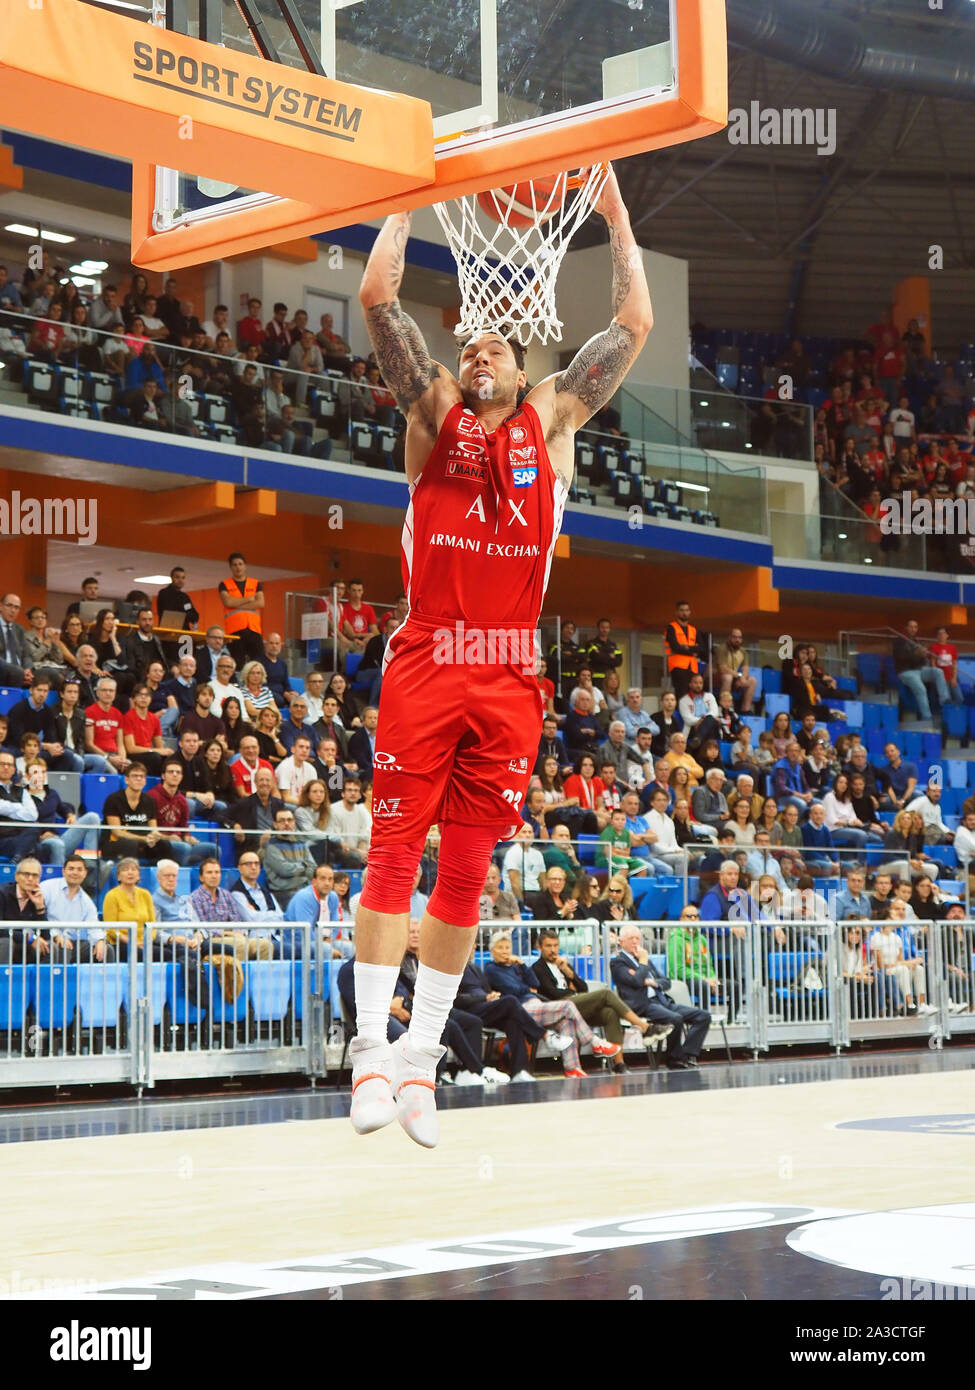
[406,365]
[568,399]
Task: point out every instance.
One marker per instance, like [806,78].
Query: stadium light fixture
[20,230]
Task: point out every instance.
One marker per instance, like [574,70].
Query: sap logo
[518,765]
[463,468]
[517,434]
[527,455]
[524,477]
[388,807]
[387,760]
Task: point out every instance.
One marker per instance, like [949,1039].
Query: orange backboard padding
[700,108]
[69,71]
[11,174]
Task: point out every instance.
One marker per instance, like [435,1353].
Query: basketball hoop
[509,246]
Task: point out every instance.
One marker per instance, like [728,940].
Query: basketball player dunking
[460,713]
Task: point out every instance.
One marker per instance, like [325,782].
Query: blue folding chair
[955,719]
[14,997]
[776,704]
[771,681]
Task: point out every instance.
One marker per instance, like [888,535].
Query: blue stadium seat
[875,741]
[101,992]
[872,714]
[888,720]
[14,996]
[587,848]
[182,1011]
[9,698]
[757,724]
[854,712]
[54,995]
[932,745]
[771,680]
[910,744]
[868,668]
[659,962]
[958,771]
[269,984]
[776,704]
[847,683]
[955,719]
[96,787]
[944,854]
[353,660]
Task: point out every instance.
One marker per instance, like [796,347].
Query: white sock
[433,1000]
[374,985]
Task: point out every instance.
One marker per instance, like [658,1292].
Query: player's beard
[500,390]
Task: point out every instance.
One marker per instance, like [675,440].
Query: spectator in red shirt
[945,656]
[359,621]
[46,339]
[383,401]
[250,330]
[245,768]
[142,732]
[588,789]
[889,365]
[173,817]
[103,726]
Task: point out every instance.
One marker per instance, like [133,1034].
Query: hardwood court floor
[122,1206]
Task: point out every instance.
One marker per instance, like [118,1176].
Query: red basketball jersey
[483,518]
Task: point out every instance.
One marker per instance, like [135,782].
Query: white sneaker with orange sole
[415,1090]
[372,1085]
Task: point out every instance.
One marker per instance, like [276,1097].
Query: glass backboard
[517,88]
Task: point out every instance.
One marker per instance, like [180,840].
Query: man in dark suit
[256,812]
[601,1007]
[551,745]
[22,901]
[362,743]
[141,646]
[209,654]
[475,996]
[15,668]
[643,987]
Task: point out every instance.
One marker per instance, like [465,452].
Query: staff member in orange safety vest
[243,604]
[683,650]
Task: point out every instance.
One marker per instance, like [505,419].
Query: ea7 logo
[518,765]
[388,806]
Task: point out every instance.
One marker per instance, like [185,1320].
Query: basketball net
[507,273]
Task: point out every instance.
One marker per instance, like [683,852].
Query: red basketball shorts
[457,737]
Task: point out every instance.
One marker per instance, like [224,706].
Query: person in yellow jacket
[128,903]
[242,597]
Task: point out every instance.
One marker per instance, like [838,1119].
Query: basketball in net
[524,204]
[509,244]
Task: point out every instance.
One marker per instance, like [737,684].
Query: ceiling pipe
[829,44]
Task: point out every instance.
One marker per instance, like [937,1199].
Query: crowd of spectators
[158,351]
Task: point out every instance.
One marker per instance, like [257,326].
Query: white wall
[272,279]
[584,306]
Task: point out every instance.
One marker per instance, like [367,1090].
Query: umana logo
[272,101]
